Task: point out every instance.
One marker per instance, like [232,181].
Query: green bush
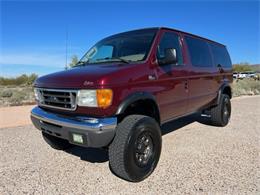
[20,80]
[242,67]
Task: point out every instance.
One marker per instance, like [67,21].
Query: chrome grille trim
[58,98]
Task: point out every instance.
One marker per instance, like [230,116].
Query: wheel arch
[224,89]
[144,99]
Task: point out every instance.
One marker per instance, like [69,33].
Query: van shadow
[178,123]
[100,155]
[93,155]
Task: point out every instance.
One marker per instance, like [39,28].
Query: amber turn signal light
[104,97]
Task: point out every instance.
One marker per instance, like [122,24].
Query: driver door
[172,78]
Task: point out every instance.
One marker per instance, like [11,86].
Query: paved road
[195,159]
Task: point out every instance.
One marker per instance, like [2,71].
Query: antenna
[66,63]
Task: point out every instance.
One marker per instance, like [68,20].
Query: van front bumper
[95,132]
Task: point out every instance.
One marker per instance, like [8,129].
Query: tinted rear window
[199,52]
[220,55]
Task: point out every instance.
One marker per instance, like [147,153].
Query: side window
[170,40]
[220,55]
[199,52]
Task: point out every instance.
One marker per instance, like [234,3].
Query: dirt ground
[195,158]
[15,116]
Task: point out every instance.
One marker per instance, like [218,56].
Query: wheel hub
[144,149]
[226,111]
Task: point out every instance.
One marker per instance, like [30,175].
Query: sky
[33,33]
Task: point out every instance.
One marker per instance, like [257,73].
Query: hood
[87,76]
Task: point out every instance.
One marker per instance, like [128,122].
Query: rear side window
[220,55]
[170,40]
[199,52]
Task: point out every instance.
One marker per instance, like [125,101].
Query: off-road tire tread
[117,147]
[216,112]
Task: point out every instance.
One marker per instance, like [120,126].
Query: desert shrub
[19,96]
[20,80]
[246,87]
[6,93]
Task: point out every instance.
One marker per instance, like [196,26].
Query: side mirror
[170,57]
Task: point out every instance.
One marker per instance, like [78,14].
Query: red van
[125,87]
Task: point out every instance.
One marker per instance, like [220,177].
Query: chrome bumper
[98,132]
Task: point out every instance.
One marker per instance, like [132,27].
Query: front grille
[61,99]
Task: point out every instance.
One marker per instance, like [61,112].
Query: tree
[74,61]
[19,80]
[31,78]
[242,67]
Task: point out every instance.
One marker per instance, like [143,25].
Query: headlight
[95,98]
[87,98]
[37,95]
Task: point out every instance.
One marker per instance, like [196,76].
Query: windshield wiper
[121,60]
[80,63]
[114,58]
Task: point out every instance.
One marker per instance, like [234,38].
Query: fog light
[77,138]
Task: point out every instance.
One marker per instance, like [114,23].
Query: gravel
[195,158]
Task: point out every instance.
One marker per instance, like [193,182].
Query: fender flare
[135,97]
[221,89]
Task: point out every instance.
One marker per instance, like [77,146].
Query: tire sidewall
[144,125]
[225,102]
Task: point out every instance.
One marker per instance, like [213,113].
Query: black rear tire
[136,148]
[220,115]
[55,142]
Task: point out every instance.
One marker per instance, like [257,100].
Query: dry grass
[246,87]
[15,96]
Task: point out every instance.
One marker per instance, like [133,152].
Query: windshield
[124,47]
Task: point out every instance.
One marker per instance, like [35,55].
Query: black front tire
[220,115]
[55,142]
[136,148]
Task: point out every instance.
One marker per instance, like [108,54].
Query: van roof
[193,35]
[158,28]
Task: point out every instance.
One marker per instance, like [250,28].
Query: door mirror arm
[221,70]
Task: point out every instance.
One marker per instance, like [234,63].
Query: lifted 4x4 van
[125,87]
